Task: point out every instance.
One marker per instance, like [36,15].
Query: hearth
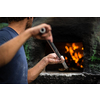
[73,54]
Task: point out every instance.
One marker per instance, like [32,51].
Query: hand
[35,31]
[53,59]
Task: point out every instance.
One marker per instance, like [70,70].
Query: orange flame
[75,50]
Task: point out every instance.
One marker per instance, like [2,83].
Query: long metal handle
[57,52]
[53,47]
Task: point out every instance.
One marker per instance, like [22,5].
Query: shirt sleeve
[4,37]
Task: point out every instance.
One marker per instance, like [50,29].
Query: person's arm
[9,49]
[38,68]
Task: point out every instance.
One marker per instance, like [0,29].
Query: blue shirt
[15,72]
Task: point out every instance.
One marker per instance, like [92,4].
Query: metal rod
[53,47]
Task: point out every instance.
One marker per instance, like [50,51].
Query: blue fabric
[15,72]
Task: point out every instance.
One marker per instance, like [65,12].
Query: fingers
[35,31]
[48,34]
[53,55]
[48,27]
[53,59]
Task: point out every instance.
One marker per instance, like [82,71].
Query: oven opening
[73,54]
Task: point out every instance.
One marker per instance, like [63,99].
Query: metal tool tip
[65,65]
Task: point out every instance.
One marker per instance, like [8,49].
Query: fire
[66,58]
[76,52]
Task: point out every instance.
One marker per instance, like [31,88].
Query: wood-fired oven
[78,40]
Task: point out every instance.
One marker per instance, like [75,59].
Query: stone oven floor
[68,74]
[66,78]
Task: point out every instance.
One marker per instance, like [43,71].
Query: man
[13,64]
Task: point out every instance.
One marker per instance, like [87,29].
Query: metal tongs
[53,47]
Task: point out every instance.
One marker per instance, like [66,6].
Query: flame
[81,66]
[75,50]
[74,46]
[66,58]
[66,49]
[82,48]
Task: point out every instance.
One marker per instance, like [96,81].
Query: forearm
[37,69]
[9,49]
[34,72]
